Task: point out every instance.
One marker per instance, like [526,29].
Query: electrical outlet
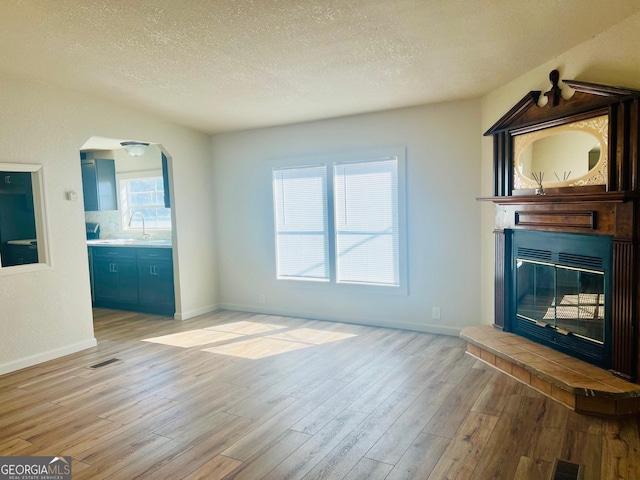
[435,313]
[262,299]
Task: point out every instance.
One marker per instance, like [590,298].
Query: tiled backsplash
[111,226]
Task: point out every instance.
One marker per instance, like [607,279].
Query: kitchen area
[18,239]
[128,226]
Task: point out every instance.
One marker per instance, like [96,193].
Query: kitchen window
[143,194]
[341,221]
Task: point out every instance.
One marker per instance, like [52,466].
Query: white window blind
[366,222]
[302,237]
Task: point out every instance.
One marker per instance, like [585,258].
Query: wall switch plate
[262,299]
[435,313]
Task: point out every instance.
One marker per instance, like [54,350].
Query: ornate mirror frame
[589,101]
[554,142]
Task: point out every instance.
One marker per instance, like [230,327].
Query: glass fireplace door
[568,299]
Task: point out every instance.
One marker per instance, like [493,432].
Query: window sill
[27,268]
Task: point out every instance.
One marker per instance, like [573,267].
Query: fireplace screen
[568,299]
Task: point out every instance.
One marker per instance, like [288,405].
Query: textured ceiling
[229,65]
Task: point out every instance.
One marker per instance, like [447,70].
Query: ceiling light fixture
[135,149]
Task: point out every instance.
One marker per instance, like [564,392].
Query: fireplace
[561,293]
[567,222]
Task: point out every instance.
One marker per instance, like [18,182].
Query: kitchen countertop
[129,242]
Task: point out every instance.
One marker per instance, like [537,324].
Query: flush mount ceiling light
[135,149]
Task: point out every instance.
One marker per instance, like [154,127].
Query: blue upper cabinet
[99,184]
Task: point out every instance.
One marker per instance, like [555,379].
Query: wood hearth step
[576,384]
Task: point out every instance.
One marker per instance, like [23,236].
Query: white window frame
[126,212]
[330,160]
[40,214]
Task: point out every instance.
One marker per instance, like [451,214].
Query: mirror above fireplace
[601,114]
[570,155]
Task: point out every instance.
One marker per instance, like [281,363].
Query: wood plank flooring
[234,395]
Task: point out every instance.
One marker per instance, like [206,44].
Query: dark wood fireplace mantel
[605,202]
[577,197]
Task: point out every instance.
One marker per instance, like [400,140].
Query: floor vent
[104,364]
[566,470]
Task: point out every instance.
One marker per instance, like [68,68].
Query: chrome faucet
[145,235]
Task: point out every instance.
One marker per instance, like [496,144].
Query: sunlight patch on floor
[256,348]
[232,339]
[246,328]
[193,338]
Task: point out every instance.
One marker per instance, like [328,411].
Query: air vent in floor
[566,470]
[104,364]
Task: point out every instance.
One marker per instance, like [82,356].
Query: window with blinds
[366,222]
[340,221]
[301,218]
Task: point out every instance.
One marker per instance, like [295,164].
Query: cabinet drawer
[114,252]
[154,254]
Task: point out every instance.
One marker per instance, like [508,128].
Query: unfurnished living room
[320,239]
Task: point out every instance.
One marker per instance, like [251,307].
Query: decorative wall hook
[555,94]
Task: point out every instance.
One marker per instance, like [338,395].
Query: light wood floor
[236,395]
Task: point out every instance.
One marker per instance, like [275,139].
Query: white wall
[443,169]
[609,58]
[46,314]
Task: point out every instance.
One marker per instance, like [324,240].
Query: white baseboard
[46,356]
[194,313]
[426,328]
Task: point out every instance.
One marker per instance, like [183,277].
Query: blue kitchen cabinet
[115,277]
[155,279]
[99,184]
[129,278]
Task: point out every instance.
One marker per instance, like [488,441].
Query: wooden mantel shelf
[606,197]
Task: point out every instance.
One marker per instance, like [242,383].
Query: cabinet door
[105,280]
[155,283]
[99,184]
[90,257]
[115,281]
[165,181]
[89,185]
[128,282]
[106,174]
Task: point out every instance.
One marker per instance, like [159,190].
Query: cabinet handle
[7,179]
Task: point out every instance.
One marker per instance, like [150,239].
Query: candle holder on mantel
[538,177]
